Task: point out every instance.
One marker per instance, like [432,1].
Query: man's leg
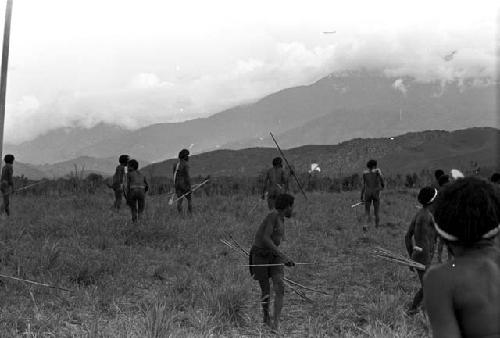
[419,296]
[376,208]
[6,203]
[279,292]
[179,193]
[118,198]
[141,201]
[265,299]
[190,204]
[271,200]
[133,205]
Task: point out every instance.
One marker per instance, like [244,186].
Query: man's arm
[409,236]
[438,300]
[268,242]
[264,188]
[286,179]
[362,198]
[10,178]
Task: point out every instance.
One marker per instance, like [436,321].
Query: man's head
[438,173]
[184,155]
[9,158]
[277,162]
[133,164]
[371,164]
[495,178]
[284,203]
[427,195]
[443,180]
[467,211]
[123,159]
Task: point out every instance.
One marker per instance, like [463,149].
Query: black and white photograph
[229,168]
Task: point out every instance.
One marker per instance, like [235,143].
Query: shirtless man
[137,187]
[119,180]
[265,251]
[373,183]
[421,238]
[462,296]
[275,182]
[182,181]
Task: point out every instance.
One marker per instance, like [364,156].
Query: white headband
[445,235]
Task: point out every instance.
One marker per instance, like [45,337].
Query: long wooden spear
[289,166]
[3,75]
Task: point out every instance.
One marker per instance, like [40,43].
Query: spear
[33,282]
[172,201]
[289,167]
[5,64]
[26,187]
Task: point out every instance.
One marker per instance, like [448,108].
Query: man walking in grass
[421,238]
[182,181]
[119,180]
[137,186]
[275,182]
[373,183]
[7,184]
[265,251]
[462,296]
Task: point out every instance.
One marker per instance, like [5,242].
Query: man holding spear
[275,183]
[182,181]
[267,261]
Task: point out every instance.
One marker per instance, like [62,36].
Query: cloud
[149,81]
[400,86]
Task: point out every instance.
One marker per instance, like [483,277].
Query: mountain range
[334,109]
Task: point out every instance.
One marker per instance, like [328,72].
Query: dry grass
[170,275]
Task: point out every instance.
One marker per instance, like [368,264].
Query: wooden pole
[3,75]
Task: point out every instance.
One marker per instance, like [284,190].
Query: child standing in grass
[265,251]
[118,180]
[137,186]
[421,238]
[7,183]
[462,296]
[373,183]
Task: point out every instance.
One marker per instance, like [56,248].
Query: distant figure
[119,180]
[7,183]
[462,296]
[137,186]
[275,183]
[421,238]
[373,183]
[437,174]
[265,251]
[182,181]
[495,178]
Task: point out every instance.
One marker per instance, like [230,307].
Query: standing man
[373,183]
[182,181]
[265,251]
[119,180]
[275,183]
[7,183]
[462,296]
[137,186]
[420,240]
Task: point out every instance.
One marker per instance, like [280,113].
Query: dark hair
[183,154]
[426,195]
[277,161]
[283,201]
[438,173]
[133,164]
[9,158]
[467,209]
[371,164]
[495,178]
[443,179]
[123,159]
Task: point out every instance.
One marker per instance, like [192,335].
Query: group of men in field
[461,296]
[129,182]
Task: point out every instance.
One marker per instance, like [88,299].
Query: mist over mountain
[336,108]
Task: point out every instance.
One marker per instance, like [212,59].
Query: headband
[493,232]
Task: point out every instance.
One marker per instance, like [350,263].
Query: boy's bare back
[463,295]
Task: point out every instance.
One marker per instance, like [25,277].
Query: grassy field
[171,276]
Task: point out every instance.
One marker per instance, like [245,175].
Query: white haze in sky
[134,63]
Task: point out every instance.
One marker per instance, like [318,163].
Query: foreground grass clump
[171,276]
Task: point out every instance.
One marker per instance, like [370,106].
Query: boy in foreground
[7,184]
[137,186]
[462,296]
[420,240]
[265,251]
[373,183]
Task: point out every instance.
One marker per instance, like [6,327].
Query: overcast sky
[140,62]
